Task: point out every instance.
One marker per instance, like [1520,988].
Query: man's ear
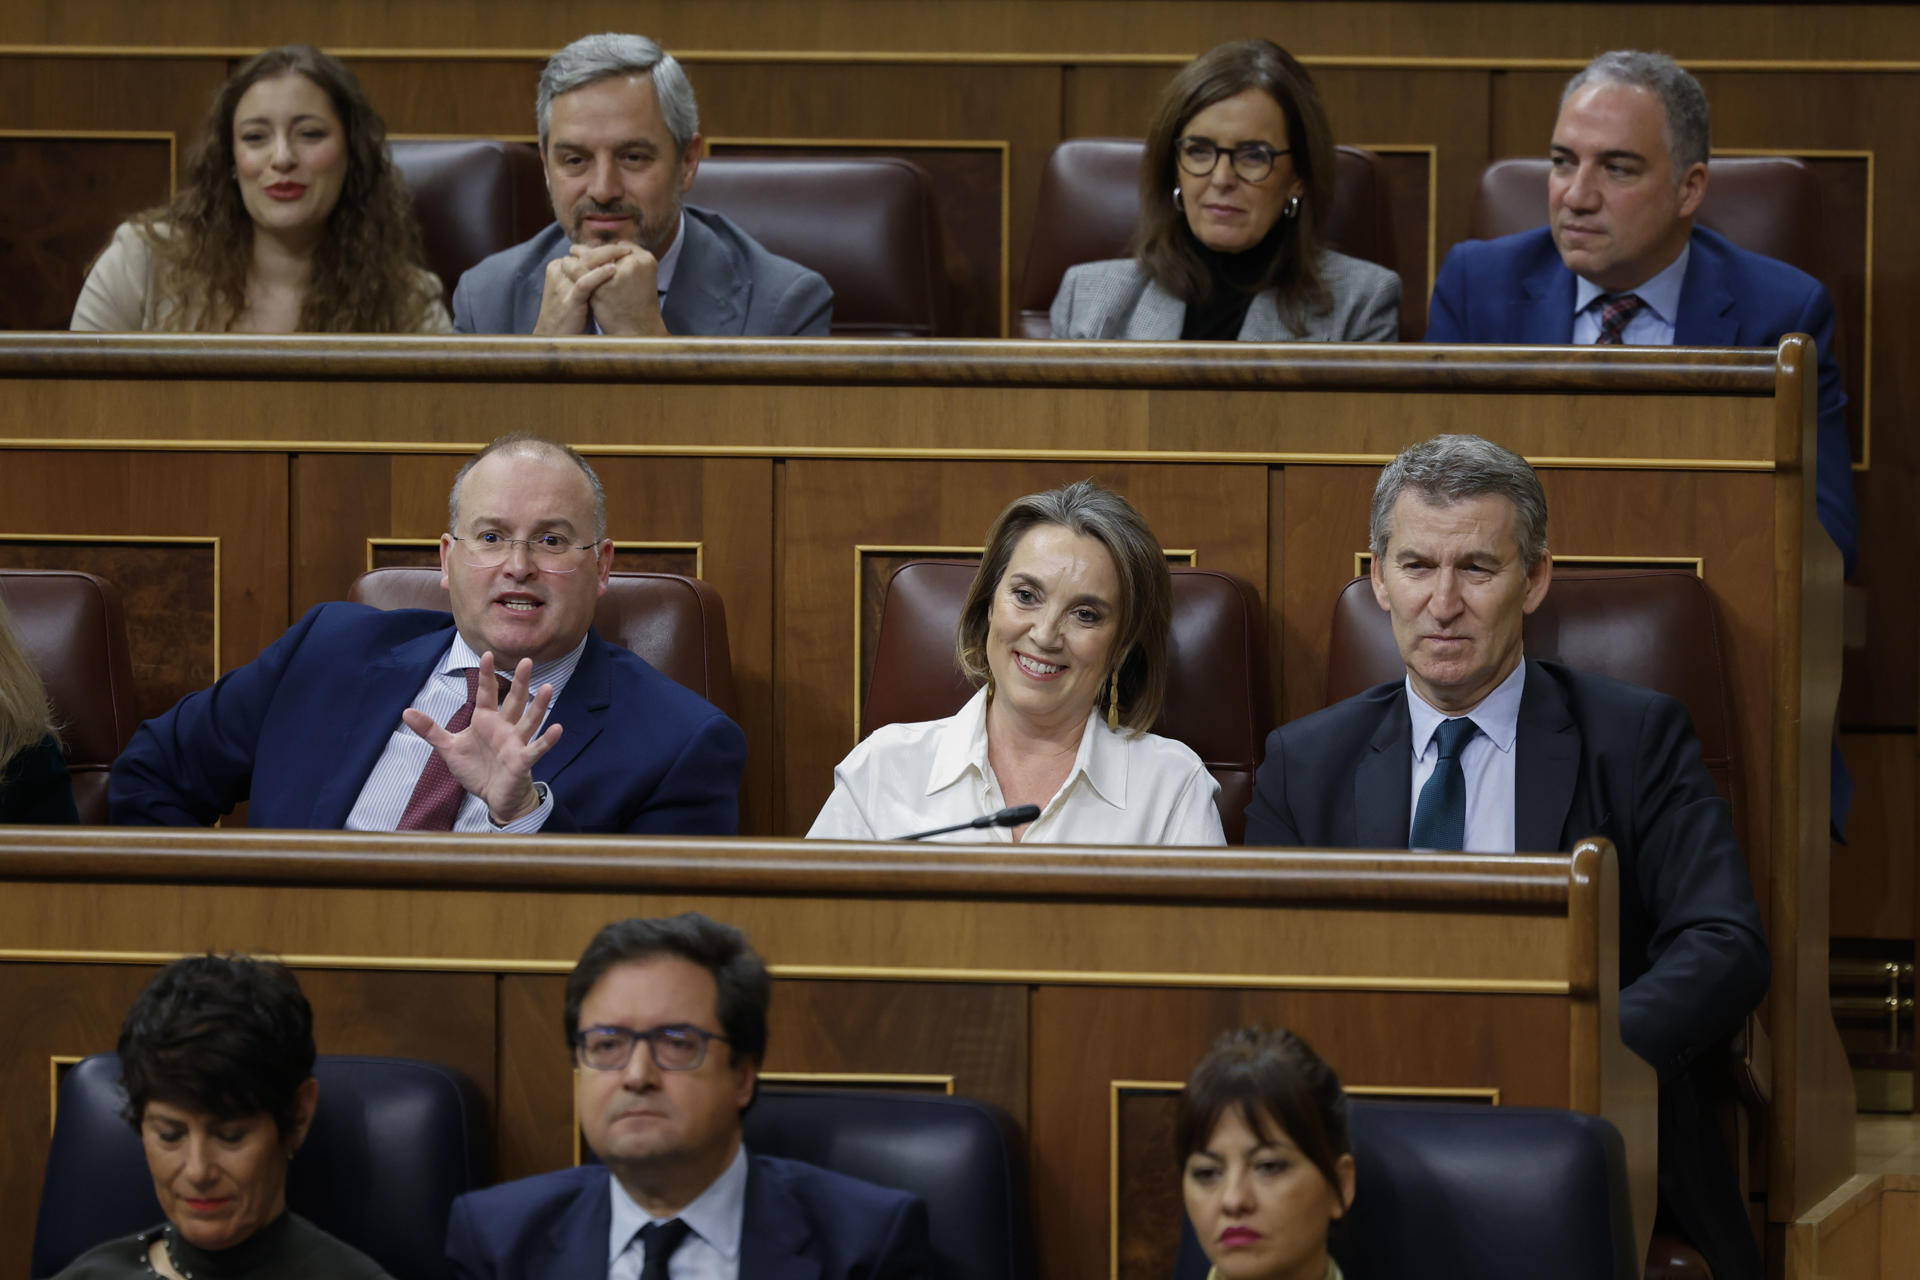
[746,1076]
[690,161]
[1377,571]
[603,562]
[1693,189]
[446,550]
[1538,579]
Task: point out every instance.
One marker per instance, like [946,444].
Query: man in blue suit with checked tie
[1480,748]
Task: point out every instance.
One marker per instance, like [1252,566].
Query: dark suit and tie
[1582,755]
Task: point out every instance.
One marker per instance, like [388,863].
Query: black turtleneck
[1234,280]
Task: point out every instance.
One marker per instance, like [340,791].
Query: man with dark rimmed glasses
[667,1022]
[510,715]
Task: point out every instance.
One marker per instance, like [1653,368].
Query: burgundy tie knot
[1616,312]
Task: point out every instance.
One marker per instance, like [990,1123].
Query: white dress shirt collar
[1660,294]
[670,260]
[1101,759]
[460,656]
[1497,716]
[716,1216]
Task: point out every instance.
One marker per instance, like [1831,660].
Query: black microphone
[1004,818]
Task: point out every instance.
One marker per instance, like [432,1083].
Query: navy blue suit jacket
[296,732]
[1594,757]
[726,285]
[801,1223]
[1516,290]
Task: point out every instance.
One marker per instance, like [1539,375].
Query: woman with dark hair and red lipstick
[1266,1163]
[216,1058]
[291,218]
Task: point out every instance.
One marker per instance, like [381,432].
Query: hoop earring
[1113,701]
[1176,199]
[1292,207]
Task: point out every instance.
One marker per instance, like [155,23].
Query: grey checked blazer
[1116,299]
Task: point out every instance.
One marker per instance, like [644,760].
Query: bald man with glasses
[510,715]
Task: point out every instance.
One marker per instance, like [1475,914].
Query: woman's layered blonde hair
[25,715]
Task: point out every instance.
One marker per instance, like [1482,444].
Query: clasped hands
[615,283]
[493,757]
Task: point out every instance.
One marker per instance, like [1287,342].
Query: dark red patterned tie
[1614,316]
[436,798]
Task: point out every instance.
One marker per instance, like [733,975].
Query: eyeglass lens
[1251,160]
[673,1048]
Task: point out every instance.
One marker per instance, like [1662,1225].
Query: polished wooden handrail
[1207,365]
[624,864]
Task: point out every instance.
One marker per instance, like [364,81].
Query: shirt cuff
[529,823]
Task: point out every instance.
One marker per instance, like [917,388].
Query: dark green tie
[1441,820]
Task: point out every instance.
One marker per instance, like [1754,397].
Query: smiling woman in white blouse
[1065,630]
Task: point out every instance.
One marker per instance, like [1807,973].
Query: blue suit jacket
[1594,757]
[726,285]
[296,732]
[801,1223]
[1516,290]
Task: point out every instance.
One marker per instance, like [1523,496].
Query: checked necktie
[1617,310]
[436,797]
[1441,820]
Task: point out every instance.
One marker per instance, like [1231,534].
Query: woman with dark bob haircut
[291,218]
[1065,631]
[216,1058]
[1265,1159]
[1235,187]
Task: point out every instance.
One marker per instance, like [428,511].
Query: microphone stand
[1011,817]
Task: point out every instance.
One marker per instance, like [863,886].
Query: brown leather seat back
[1651,627]
[1090,202]
[678,624]
[1765,204]
[72,631]
[473,197]
[866,223]
[1218,698]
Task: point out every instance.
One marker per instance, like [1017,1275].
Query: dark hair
[1269,1077]
[1145,607]
[1449,469]
[1166,246]
[228,1035]
[740,975]
[527,444]
[368,269]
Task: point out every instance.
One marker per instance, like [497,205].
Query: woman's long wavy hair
[367,268]
[1165,245]
[25,716]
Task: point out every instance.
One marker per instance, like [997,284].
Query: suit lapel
[1546,767]
[579,1235]
[709,293]
[581,709]
[774,1234]
[1544,311]
[1263,322]
[1158,317]
[1381,785]
[1705,315]
[370,706]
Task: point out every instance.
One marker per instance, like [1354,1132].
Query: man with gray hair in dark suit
[620,142]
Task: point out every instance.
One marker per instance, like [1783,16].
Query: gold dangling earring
[1113,701]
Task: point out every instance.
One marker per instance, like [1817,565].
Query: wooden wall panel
[65,196]
[235,590]
[1088,1039]
[1220,512]
[1874,886]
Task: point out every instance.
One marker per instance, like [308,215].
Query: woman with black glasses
[1235,184]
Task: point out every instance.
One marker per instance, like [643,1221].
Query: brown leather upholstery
[1765,204]
[1653,627]
[1217,693]
[71,629]
[473,196]
[1090,200]
[866,223]
[677,624]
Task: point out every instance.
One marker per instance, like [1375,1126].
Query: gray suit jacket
[1116,299]
[726,285]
